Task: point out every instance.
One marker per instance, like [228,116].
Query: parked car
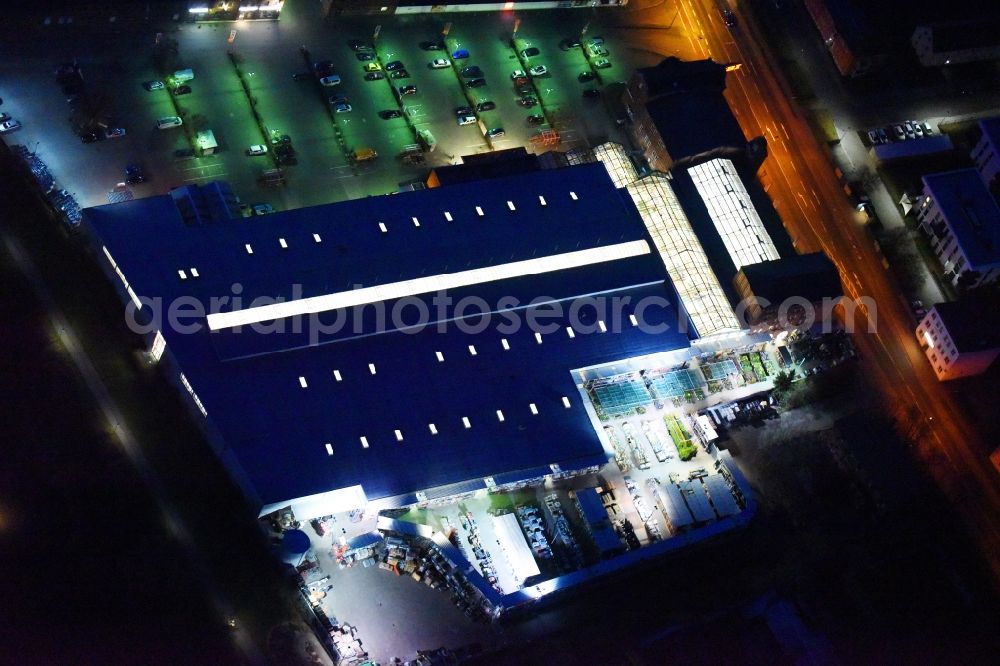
[882,135]
[182,90]
[596,40]
[343,107]
[359,45]
[388,114]
[471,72]
[339,98]
[530,52]
[729,17]
[536,119]
[466,120]
[460,54]
[528,101]
[522,85]
[909,129]
[873,137]
[439,63]
[153,85]
[598,51]
[394,65]
[494,133]
[432,46]
[263,209]
[603,63]
[374,76]
[134,174]
[4,117]
[917,128]
[168,122]
[591,92]
[400,74]
[114,132]
[9,126]
[408,90]
[899,132]
[322,66]
[332,80]
[464,111]
[486,105]
[538,70]
[257,149]
[372,67]
[518,74]
[584,77]
[926,126]
[365,56]
[476,83]
[569,43]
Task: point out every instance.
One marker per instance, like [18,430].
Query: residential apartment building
[962,220]
[961,338]
[986,154]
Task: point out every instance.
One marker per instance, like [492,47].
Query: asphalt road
[799,177]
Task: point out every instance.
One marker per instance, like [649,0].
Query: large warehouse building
[321,403]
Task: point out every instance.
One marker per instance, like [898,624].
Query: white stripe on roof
[429,284]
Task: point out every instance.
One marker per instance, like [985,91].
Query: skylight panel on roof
[303,383]
[572,195]
[382,227]
[479,211]
[399,435]
[500,416]
[249,249]
[505,344]
[541,200]
[633,320]
[416,222]
[433,428]
[472,350]
[534,408]
[510,204]
[336,375]
[565,402]
[282,243]
[194,272]
[317,238]
[429,284]
[602,326]
[447,216]
[371,368]
[538,337]
[466,422]
[570,332]
[182,275]
[440,356]
[329,449]
[364,442]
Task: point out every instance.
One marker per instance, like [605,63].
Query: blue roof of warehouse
[249,381]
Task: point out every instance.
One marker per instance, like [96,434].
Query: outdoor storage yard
[263,88]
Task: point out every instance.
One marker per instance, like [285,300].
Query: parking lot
[265,56]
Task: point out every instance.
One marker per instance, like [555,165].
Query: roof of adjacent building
[279,398]
[487,165]
[964,35]
[973,322]
[971,213]
[990,127]
[810,276]
[685,95]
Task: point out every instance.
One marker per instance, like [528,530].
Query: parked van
[182,75]
[168,122]
[364,154]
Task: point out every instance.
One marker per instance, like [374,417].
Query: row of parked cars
[908,129]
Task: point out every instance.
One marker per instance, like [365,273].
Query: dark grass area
[90,573]
[214,511]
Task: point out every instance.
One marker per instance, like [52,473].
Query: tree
[783,381]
